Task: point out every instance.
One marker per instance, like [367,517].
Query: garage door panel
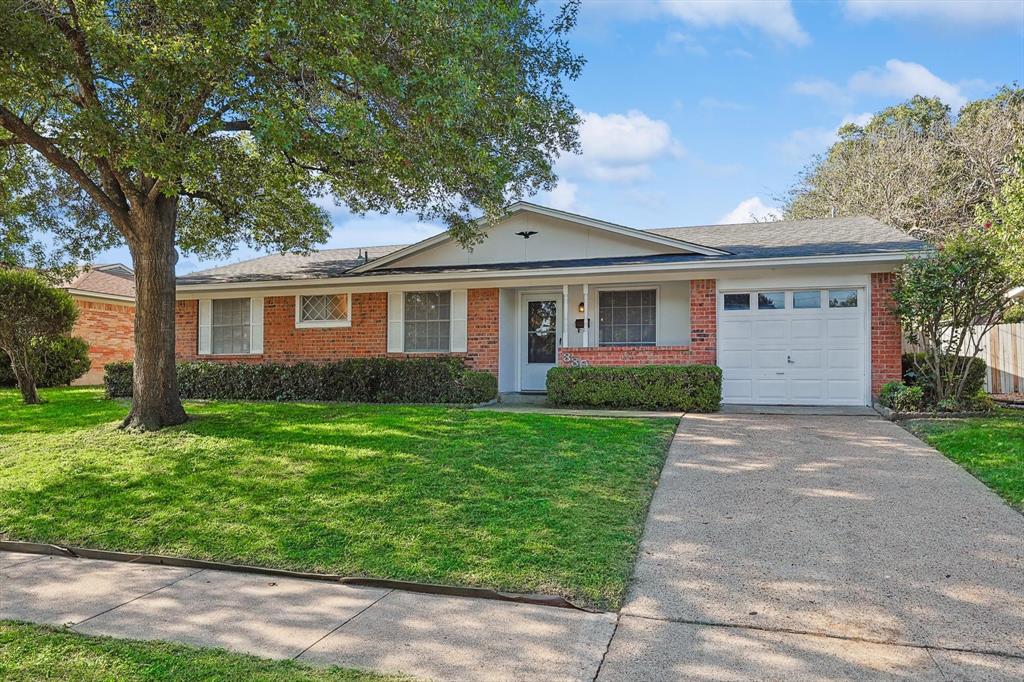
[770,389]
[771,359]
[845,358]
[845,328]
[803,356]
[806,389]
[809,329]
[771,330]
[737,390]
[735,359]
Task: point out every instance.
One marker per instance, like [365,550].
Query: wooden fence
[1003,351]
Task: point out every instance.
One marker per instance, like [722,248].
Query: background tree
[32,310]
[203,125]
[914,168]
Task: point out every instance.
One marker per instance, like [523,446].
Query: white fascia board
[521,206]
[490,278]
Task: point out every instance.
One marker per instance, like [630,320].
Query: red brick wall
[701,351]
[886,333]
[109,329]
[367,337]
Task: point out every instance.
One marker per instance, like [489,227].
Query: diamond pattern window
[327,310]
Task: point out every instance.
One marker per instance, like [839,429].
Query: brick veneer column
[704,320]
[186,330]
[886,333]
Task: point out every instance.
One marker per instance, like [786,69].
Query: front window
[229,328]
[428,321]
[329,310]
[627,318]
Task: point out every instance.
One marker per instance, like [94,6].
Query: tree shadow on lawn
[541,503]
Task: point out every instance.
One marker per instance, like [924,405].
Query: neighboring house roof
[115,281]
[824,237]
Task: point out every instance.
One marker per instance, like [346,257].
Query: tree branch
[53,154]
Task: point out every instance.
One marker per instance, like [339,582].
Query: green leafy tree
[948,302]
[198,126]
[914,167]
[1003,218]
[32,310]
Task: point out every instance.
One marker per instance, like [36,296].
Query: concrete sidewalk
[440,638]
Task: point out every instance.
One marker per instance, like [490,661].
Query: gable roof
[821,237]
[103,281]
[524,206]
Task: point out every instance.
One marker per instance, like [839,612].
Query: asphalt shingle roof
[780,239]
[98,281]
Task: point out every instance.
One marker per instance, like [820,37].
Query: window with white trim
[427,321]
[230,326]
[326,310]
[627,318]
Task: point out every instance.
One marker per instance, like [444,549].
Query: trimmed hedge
[975,376]
[55,362]
[685,388]
[364,380]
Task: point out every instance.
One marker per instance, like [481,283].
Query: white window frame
[205,326]
[451,321]
[596,308]
[322,324]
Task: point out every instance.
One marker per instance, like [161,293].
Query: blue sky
[704,112]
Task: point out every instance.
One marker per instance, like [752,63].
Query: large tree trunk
[23,375]
[155,399]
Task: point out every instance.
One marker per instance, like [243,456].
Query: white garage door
[793,347]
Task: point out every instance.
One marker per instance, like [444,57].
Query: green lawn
[523,502]
[991,448]
[37,652]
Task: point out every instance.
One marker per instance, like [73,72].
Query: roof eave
[737,263]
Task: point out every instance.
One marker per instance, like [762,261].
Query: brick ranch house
[794,312]
[105,298]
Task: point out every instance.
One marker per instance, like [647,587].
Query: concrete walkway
[820,547]
[440,638]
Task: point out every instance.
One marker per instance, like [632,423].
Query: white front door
[540,331]
[793,347]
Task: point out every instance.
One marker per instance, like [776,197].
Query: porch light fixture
[581,307]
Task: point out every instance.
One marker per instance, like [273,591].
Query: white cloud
[749,211]
[954,12]
[906,79]
[739,52]
[896,79]
[772,17]
[563,196]
[621,147]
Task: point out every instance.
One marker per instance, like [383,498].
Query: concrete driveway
[820,547]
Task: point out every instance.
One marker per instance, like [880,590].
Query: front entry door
[541,332]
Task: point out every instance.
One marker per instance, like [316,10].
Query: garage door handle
[790,360]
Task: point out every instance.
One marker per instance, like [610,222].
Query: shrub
[689,388]
[898,396]
[369,380]
[917,373]
[54,362]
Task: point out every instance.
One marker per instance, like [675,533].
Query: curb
[553,601]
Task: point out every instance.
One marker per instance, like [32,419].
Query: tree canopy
[916,168]
[199,126]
